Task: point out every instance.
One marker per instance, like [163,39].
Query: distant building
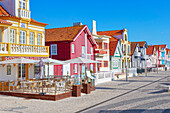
[138,51]
[122,37]
[102,50]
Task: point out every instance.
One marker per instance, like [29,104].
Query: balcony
[24,13]
[7,49]
[100,52]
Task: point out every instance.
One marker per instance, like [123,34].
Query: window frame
[31,38]
[53,45]
[12,35]
[72,48]
[75,68]
[22,39]
[92,51]
[39,36]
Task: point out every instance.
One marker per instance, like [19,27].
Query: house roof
[141,44]
[66,34]
[133,47]
[115,34]
[5,22]
[62,34]
[150,50]
[167,51]
[157,47]
[3,12]
[34,21]
[112,47]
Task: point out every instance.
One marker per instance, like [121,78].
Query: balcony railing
[17,49]
[24,13]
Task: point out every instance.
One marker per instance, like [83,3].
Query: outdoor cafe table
[29,83]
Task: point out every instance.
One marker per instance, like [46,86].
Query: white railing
[103,77]
[7,48]
[28,49]
[24,13]
[3,48]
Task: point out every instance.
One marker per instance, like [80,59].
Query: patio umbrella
[80,60]
[19,61]
[50,61]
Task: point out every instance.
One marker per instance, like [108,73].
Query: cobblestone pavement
[137,95]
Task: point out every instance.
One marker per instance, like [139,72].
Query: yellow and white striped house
[21,36]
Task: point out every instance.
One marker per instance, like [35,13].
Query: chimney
[77,24]
[94,32]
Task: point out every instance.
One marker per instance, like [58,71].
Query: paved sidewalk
[106,94]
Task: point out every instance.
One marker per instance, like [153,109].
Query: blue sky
[146,20]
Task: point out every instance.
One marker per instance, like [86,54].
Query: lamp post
[126,64]
[157,61]
[145,67]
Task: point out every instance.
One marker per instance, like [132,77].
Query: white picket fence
[109,76]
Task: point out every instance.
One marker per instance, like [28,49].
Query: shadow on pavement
[104,88]
[161,91]
[136,111]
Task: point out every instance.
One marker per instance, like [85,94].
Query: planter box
[76,91]
[86,88]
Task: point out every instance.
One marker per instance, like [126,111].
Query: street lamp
[157,61]
[126,64]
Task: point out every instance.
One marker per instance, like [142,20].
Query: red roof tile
[157,47]
[5,22]
[141,44]
[3,12]
[167,51]
[34,21]
[111,33]
[150,50]
[133,46]
[112,47]
[62,34]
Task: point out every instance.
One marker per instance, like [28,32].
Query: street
[138,95]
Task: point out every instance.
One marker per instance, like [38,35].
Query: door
[58,70]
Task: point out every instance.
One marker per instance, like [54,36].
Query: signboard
[23,25]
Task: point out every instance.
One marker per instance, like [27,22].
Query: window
[39,39]
[125,37]
[31,38]
[75,68]
[22,37]
[12,40]
[8,69]
[105,45]
[91,67]
[54,49]
[128,49]
[83,49]
[92,50]
[115,63]
[105,63]
[122,48]
[23,70]
[22,4]
[72,48]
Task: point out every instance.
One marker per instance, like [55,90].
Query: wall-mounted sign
[23,25]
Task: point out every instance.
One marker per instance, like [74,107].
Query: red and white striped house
[68,43]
